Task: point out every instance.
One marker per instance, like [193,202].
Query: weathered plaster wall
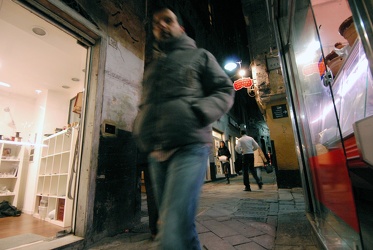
[115,194]
[271,93]
[268,82]
[282,135]
[262,44]
[121,21]
[285,149]
[125,55]
[123,74]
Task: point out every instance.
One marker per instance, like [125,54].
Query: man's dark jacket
[183,91]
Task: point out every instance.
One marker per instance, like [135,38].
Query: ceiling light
[39,31]
[38,91]
[75,79]
[4,84]
[65,87]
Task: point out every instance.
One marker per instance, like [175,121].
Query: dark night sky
[228,27]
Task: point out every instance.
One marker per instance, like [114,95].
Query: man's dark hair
[160,7]
[243,132]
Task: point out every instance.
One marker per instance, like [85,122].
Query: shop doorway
[218,168]
[42,71]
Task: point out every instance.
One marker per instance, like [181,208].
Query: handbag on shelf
[268,168]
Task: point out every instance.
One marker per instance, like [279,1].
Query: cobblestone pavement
[229,218]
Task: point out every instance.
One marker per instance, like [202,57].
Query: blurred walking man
[184,91]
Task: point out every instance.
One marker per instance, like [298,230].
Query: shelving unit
[53,178]
[12,163]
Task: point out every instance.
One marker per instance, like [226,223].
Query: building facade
[98,193]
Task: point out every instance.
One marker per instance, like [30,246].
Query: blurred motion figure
[184,90]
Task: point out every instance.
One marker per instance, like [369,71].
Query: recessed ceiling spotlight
[75,79]
[65,87]
[39,31]
[38,91]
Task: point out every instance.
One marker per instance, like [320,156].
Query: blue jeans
[177,184]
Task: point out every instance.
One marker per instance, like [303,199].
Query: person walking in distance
[184,90]
[259,162]
[224,156]
[246,146]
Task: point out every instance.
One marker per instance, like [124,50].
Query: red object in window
[61,209]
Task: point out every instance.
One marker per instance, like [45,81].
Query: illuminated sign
[242,83]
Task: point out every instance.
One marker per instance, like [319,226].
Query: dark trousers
[248,164]
[226,169]
[150,198]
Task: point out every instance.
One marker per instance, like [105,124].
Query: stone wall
[116,190]
[271,91]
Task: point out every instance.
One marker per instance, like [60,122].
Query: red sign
[242,83]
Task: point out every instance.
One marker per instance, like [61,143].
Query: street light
[243,82]
[242,73]
[230,66]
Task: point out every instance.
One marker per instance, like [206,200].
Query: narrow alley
[229,218]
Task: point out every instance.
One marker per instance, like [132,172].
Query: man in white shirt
[246,146]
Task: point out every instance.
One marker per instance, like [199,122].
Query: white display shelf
[54,175]
[7,194]
[12,172]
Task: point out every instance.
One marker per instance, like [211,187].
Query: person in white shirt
[246,146]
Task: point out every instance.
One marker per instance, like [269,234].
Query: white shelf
[54,175]
[12,171]
[7,194]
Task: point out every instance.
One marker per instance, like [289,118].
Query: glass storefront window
[317,123]
[336,179]
[351,88]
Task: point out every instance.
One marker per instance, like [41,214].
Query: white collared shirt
[246,145]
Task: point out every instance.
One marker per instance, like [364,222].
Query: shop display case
[329,101]
[353,95]
[55,172]
[12,172]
